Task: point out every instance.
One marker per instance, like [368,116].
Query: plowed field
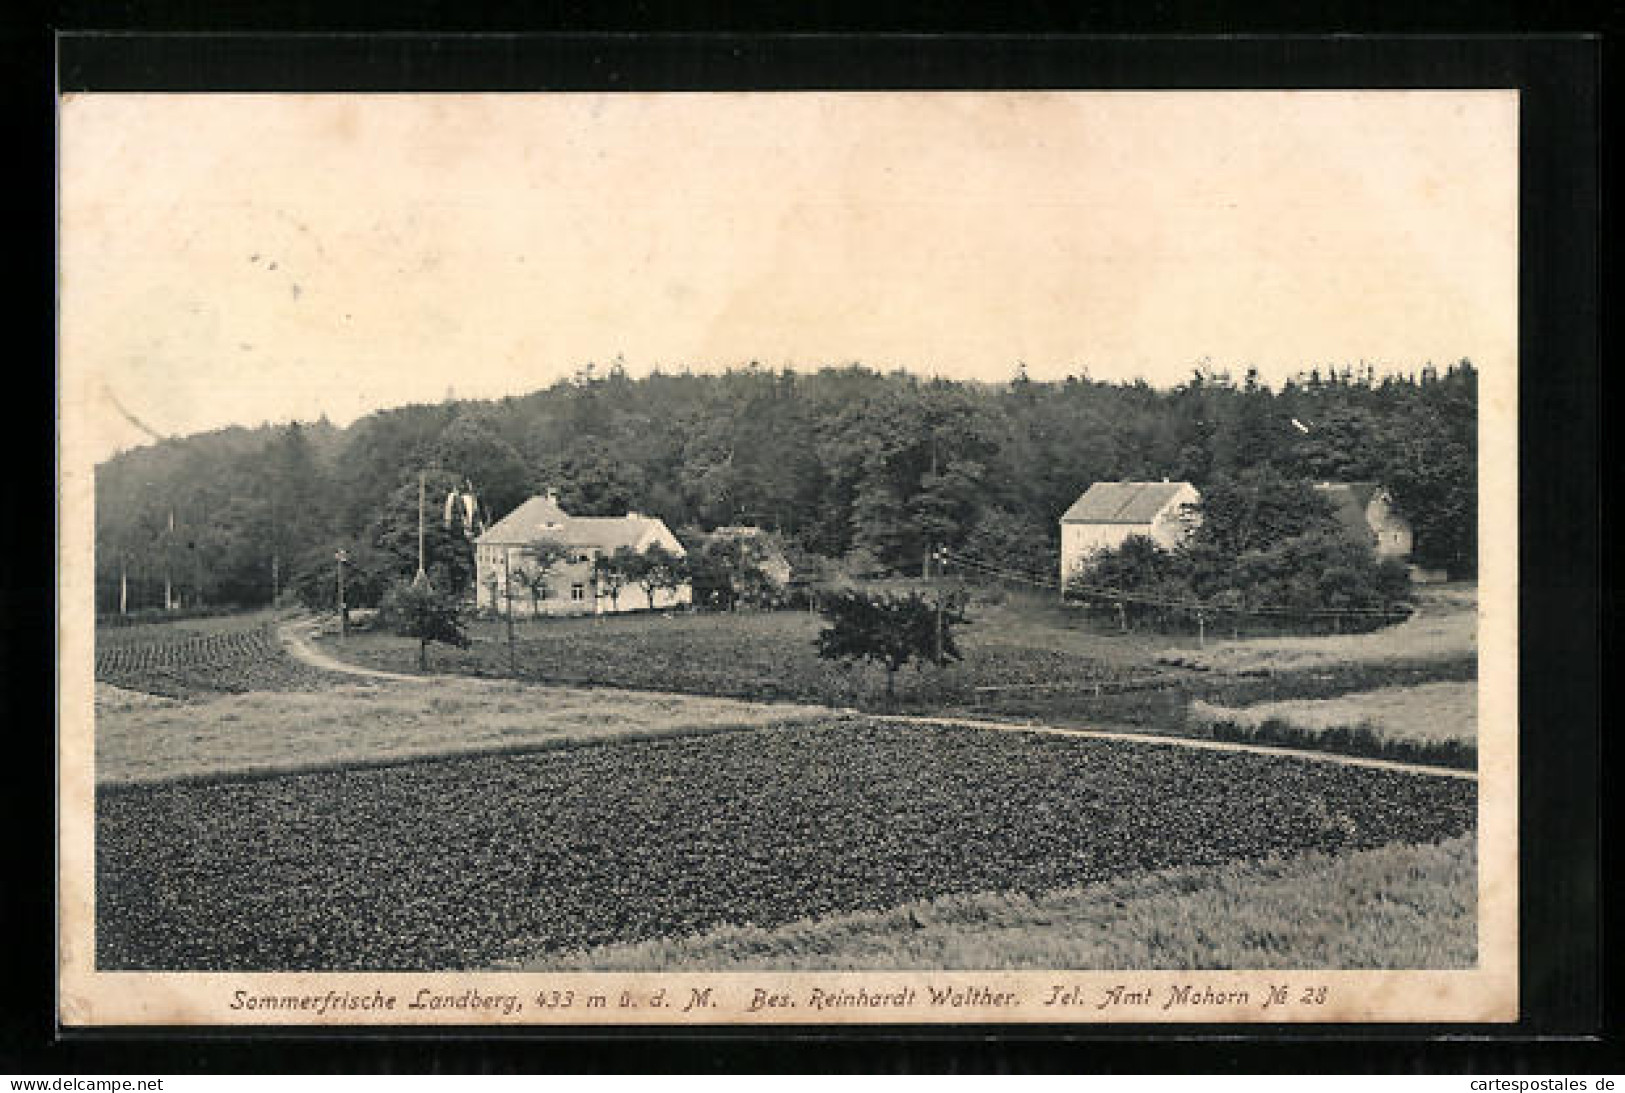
[464,863]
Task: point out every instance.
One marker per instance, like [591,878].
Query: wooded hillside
[848,463]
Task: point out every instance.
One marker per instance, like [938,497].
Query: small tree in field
[427,614]
[890,630]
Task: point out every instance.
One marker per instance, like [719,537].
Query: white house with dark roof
[1109,513]
[504,553]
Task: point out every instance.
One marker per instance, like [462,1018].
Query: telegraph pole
[423,574]
[169,549]
[507,594]
[275,568]
[344,611]
[942,565]
[197,559]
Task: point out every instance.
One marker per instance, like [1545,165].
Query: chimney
[633,514]
[552,495]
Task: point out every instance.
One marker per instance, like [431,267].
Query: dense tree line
[867,469]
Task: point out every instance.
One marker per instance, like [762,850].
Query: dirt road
[299,646]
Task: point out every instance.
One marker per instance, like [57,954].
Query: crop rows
[249,659]
[464,863]
[202,650]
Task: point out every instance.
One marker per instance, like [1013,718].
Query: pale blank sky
[242,258]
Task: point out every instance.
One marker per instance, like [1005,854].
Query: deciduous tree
[890,630]
[655,570]
[538,561]
[425,613]
[612,572]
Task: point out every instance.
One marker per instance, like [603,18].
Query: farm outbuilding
[1108,514]
[764,551]
[1366,511]
[504,553]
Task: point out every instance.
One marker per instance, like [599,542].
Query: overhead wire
[1126,596]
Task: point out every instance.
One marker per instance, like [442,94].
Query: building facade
[509,571]
[1108,514]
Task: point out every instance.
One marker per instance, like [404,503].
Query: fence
[1132,606]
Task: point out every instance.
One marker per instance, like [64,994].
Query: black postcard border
[1562,511]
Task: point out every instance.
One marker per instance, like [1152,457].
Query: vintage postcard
[907,558]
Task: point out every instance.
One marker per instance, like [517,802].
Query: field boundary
[1199,743]
[113,787]
[302,650]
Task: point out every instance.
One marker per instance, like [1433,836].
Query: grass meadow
[1401,906]
[1432,722]
[1026,658]
[1445,630]
[146,739]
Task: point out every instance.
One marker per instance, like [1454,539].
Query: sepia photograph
[799,558]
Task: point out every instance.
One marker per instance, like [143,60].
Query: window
[578,592]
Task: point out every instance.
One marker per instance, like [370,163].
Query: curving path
[301,649]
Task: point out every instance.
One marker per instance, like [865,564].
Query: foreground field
[1393,907]
[474,862]
[143,738]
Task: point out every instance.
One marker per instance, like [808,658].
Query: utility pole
[169,549]
[423,574]
[197,560]
[344,611]
[275,567]
[507,594]
[929,549]
[942,564]
[123,585]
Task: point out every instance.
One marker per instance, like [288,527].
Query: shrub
[891,630]
[421,611]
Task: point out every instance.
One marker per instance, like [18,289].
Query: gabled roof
[1356,493]
[606,532]
[541,518]
[1123,502]
[1349,503]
